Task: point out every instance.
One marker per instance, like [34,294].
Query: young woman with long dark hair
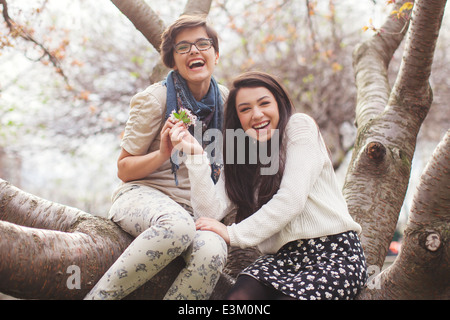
[296,216]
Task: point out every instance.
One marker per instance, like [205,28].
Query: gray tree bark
[388,123]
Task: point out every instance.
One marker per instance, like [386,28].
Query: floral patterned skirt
[331,268]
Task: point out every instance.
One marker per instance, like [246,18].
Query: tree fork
[421,269]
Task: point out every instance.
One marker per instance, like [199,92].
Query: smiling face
[196,66]
[257,110]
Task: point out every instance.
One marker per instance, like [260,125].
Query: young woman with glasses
[153,202]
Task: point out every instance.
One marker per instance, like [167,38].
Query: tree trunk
[379,172]
[421,270]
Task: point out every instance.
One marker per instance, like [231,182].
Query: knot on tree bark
[433,241]
[375,151]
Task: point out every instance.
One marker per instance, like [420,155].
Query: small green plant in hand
[185,116]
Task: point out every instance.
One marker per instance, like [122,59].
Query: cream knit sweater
[308,204]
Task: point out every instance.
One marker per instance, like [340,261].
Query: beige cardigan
[142,136]
[308,204]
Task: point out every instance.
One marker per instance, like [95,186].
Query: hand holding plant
[185,116]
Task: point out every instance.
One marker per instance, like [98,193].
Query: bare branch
[6,14]
[412,84]
[199,7]
[17,30]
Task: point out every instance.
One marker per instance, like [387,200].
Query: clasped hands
[177,136]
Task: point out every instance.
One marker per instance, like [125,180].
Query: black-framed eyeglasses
[183,47]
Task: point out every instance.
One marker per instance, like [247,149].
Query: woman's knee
[139,208]
[179,224]
[210,247]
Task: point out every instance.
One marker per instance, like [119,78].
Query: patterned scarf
[209,111]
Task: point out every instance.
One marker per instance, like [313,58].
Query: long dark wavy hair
[244,184]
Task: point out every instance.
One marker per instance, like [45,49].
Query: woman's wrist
[197,149]
[197,158]
[160,157]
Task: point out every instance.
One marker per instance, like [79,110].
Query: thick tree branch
[27,210]
[431,202]
[37,257]
[380,169]
[144,19]
[412,87]
[43,239]
[370,62]
[151,26]
[199,7]
[148,22]
[38,261]
[426,242]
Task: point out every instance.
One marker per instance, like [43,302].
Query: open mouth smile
[197,63]
[261,125]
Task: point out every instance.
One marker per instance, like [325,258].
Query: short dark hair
[183,22]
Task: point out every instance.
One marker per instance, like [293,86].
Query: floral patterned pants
[164,230]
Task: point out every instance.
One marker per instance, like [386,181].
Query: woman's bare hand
[213,225]
[165,146]
[183,140]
